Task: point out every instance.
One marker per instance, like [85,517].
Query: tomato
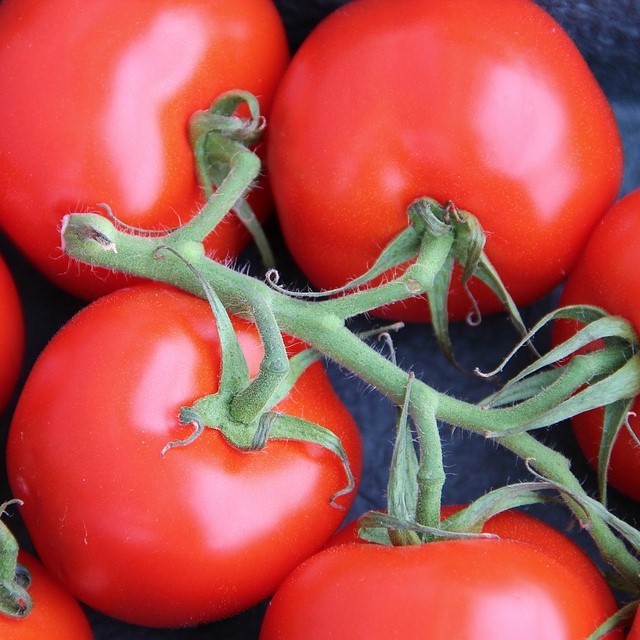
[466,589]
[520,527]
[55,614]
[200,533]
[11,335]
[605,276]
[96,111]
[484,103]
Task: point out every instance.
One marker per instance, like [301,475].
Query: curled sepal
[572,377]
[469,252]
[442,223]
[620,619]
[15,601]
[401,249]
[587,382]
[425,235]
[280,426]
[402,487]
[222,117]
[220,140]
[377,526]
[234,370]
[616,417]
[598,325]
[474,516]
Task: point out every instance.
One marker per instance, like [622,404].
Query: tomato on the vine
[199,533]
[98,97]
[11,334]
[606,276]
[487,104]
[55,615]
[468,589]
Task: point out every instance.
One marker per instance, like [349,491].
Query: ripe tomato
[467,589]
[518,526]
[199,534]
[11,335]
[606,276]
[484,103]
[96,109]
[55,614]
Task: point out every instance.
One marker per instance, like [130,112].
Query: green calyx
[15,601]
[241,409]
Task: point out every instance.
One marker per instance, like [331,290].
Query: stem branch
[93,239]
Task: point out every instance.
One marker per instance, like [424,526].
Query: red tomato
[96,108]
[520,527]
[55,614]
[468,590]
[11,335]
[199,534]
[486,103]
[606,276]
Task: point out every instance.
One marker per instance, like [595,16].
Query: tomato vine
[558,385]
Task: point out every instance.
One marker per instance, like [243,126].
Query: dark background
[608,34]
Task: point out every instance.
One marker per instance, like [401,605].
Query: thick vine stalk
[178,258]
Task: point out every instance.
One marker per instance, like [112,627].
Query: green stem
[247,405]
[244,168]
[431,475]
[93,239]
[15,601]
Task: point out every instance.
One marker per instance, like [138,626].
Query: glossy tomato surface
[55,614]
[607,276]
[486,103]
[198,534]
[521,527]
[11,334]
[95,109]
[468,590]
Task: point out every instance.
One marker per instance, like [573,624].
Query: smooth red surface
[468,590]
[199,534]
[96,100]
[11,334]
[486,103]
[55,614]
[607,276]
[521,527]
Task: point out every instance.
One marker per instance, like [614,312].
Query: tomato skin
[470,590]
[11,334]
[116,84]
[55,614]
[487,104]
[521,527]
[205,531]
[606,276]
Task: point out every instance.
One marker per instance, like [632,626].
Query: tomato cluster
[148,497]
